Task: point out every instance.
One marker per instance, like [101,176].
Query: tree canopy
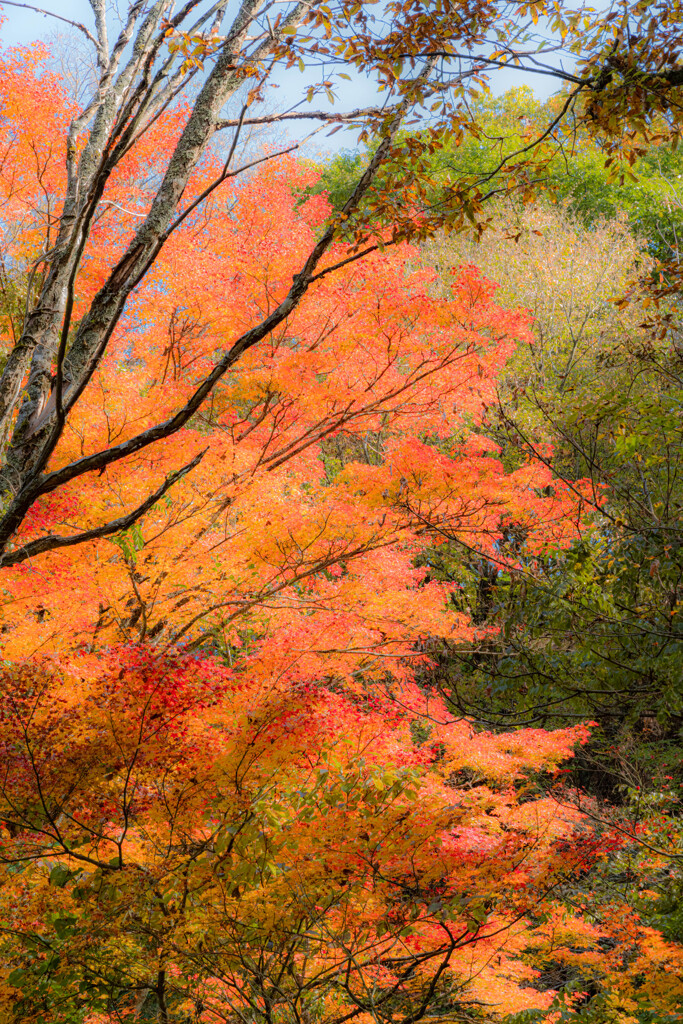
[338,546]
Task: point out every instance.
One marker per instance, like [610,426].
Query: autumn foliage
[215,840]
[224,794]
[247,540]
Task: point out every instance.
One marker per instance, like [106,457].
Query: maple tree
[235,845]
[253,532]
[235,425]
[300,572]
[199,845]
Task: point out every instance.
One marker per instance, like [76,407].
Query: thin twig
[51,14]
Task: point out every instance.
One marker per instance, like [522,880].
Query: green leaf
[60,875]
[64,926]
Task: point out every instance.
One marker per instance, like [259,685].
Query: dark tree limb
[53,541]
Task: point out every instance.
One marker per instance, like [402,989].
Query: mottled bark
[38,347]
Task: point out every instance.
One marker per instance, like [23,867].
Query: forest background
[340,530]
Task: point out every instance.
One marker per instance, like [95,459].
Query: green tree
[572,169]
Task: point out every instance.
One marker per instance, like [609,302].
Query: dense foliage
[340,547]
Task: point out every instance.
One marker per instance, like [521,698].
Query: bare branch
[102,37]
[296,115]
[51,14]
[537,69]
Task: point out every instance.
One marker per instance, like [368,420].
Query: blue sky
[22,26]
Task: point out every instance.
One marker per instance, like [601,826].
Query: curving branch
[53,541]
